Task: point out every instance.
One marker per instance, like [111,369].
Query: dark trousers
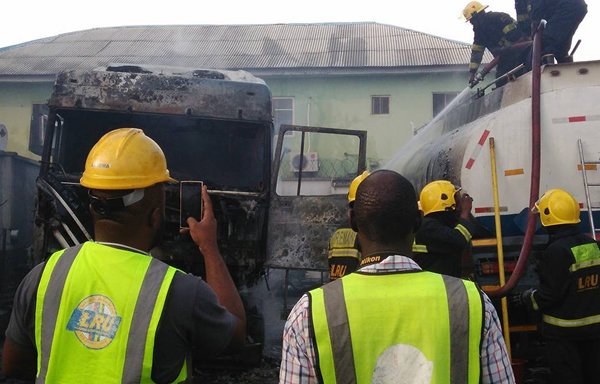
[573,361]
[561,26]
[510,59]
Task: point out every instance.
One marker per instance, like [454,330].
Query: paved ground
[266,373]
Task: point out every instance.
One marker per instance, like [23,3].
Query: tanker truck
[506,145]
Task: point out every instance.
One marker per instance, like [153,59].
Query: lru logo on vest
[95,321]
[587,282]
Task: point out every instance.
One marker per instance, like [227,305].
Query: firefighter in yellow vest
[390,321]
[344,251]
[106,311]
[568,295]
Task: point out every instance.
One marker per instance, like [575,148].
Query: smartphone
[190,201]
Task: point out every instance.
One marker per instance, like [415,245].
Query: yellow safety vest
[397,319]
[90,326]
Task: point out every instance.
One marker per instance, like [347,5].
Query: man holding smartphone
[106,311]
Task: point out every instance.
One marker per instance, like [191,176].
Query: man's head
[438,196]
[557,207]
[124,173]
[472,9]
[385,210]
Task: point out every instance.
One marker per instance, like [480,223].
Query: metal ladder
[586,187]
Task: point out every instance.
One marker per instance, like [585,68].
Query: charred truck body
[214,126]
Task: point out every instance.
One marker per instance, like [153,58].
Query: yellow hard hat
[354,185]
[472,8]
[125,158]
[438,196]
[557,207]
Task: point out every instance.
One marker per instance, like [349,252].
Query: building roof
[266,49]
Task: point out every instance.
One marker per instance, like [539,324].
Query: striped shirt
[298,354]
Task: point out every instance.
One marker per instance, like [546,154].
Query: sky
[22,21]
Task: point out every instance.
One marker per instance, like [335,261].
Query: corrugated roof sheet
[268,47]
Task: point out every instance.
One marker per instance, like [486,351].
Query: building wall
[334,101]
[16,101]
[345,102]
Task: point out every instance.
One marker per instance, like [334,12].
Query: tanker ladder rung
[586,187]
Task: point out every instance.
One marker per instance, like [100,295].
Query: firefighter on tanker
[497,32]
[344,250]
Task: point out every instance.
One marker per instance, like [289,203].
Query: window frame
[446,101]
[37,127]
[277,124]
[377,107]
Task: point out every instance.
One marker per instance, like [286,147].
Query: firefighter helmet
[557,207]
[125,158]
[354,185]
[438,196]
[472,8]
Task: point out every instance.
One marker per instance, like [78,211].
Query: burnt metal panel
[300,226]
[191,93]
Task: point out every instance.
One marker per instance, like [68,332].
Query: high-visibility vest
[97,312]
[369,328]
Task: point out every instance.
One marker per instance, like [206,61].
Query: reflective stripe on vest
[352,338]
[100,317]
[419,248]
[509,27]
[586,255]
[571,323]
[463,231]
[344,252]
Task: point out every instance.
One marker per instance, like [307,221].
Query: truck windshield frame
[226,155]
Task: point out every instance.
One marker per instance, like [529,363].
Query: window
[380,105]
[441,100]
[37,127]
[283,112]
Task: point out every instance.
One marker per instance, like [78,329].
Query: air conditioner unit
[310,162]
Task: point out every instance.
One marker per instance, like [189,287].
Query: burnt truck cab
[214,126]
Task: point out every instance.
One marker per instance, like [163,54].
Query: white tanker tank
[455,145]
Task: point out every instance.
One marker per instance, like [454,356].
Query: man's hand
[465,205]
[522,299]
[475,78]
[203,232]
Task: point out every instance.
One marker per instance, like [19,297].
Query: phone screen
[190,201]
